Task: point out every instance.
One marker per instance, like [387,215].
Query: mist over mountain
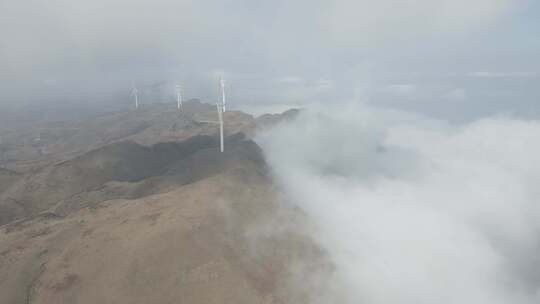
[316,205]
[413,210]
[306,152]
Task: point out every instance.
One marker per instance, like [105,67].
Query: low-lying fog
[413,210]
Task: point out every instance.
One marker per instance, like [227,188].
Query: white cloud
[95,49]
[416,211]
[457,94]
[364,21]
[402,89]
[503,74]
[292,80]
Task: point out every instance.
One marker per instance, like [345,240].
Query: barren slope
[222,239]
[140,207]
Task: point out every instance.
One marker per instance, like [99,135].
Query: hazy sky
[451,58]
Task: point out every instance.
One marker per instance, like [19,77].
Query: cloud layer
[413,210]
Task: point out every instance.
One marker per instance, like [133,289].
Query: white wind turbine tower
[220,110]
[220,116]
[220,106]
[135,94]
[179,97]
[222,88]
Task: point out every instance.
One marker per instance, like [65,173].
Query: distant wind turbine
[135,94]
[220,117]
[179,96]
[221,109]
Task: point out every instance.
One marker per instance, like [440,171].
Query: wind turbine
[135,94]
[220,109]
[220,117]
[179,96]
[220,106]
[222,88]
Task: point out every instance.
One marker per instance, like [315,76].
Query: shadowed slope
[71,180]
